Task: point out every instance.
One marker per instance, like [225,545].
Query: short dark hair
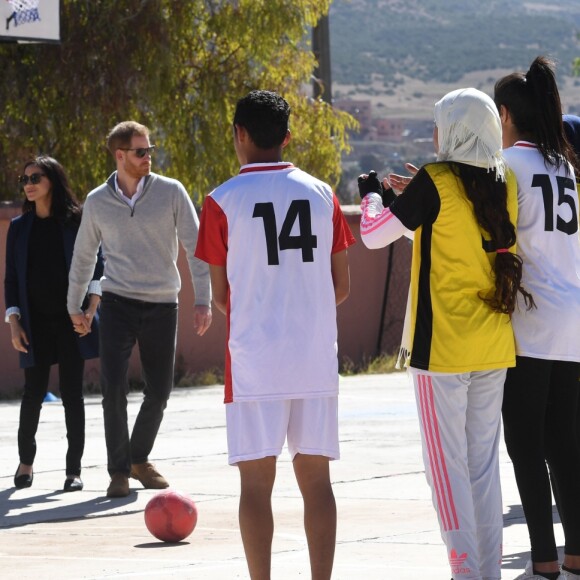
[264,115]
[121,134]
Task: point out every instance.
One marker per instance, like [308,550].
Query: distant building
[371,129]
[360,110]
[388,129]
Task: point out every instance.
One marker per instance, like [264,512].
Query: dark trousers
[153,327]
[53,339]
[540,415]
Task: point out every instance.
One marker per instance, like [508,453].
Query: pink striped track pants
[460,419]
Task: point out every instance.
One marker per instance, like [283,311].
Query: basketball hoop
[25,11]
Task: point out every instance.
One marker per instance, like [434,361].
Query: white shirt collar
[130,200]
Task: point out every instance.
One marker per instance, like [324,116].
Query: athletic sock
[548,575]
[572,570]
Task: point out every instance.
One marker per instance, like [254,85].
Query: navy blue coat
[16,283]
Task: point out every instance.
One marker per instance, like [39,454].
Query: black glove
[369,184]
[388,196]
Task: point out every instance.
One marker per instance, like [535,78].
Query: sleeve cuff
[95,288]
[10,311]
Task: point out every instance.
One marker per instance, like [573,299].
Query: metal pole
[322,81]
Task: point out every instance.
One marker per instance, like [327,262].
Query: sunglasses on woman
[141,151]
[33,178]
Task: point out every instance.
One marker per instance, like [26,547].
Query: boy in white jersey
[275,239]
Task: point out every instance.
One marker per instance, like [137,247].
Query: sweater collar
[112,180]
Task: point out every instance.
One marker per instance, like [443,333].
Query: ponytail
[489,198]
[533,101]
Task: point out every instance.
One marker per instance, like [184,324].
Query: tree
[179,68]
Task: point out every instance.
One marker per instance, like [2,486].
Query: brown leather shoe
[149,477]
[119,486]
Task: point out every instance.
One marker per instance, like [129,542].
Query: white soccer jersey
[275,227]
[549,245]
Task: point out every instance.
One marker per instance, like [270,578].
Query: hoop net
[25,11]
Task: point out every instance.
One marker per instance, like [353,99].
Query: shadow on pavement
[161,544]
[52,511]
[515,515]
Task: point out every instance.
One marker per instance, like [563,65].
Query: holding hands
[82,322]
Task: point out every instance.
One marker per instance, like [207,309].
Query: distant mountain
[442,40]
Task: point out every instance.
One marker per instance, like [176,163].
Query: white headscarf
[469,130]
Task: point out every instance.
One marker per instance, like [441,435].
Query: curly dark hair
[64,206]
[264,115]
[489,199]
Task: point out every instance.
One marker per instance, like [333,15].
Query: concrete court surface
[387,527]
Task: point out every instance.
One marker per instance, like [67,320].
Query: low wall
[363,332]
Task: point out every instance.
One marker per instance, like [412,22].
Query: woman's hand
[399,182]
[19,338]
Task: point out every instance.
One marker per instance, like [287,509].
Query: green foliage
[382,364]
[207,378]
[179,68]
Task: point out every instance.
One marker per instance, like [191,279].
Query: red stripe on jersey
[342,237]
[212,239]
[525,144]
[228,384]
[255,167]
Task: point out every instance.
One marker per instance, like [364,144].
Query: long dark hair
[489,198]
[533,101]
[64,205]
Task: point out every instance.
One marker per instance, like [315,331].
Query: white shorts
[258,429]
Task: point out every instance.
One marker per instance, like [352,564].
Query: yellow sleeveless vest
[451,329]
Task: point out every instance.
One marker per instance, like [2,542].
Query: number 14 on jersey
[306,242]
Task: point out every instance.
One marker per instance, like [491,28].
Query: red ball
[170,516]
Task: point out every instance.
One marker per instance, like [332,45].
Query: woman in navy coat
[39,251]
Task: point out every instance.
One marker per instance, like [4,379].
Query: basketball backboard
[30,20]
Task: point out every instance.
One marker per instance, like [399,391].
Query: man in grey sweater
[137,217]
